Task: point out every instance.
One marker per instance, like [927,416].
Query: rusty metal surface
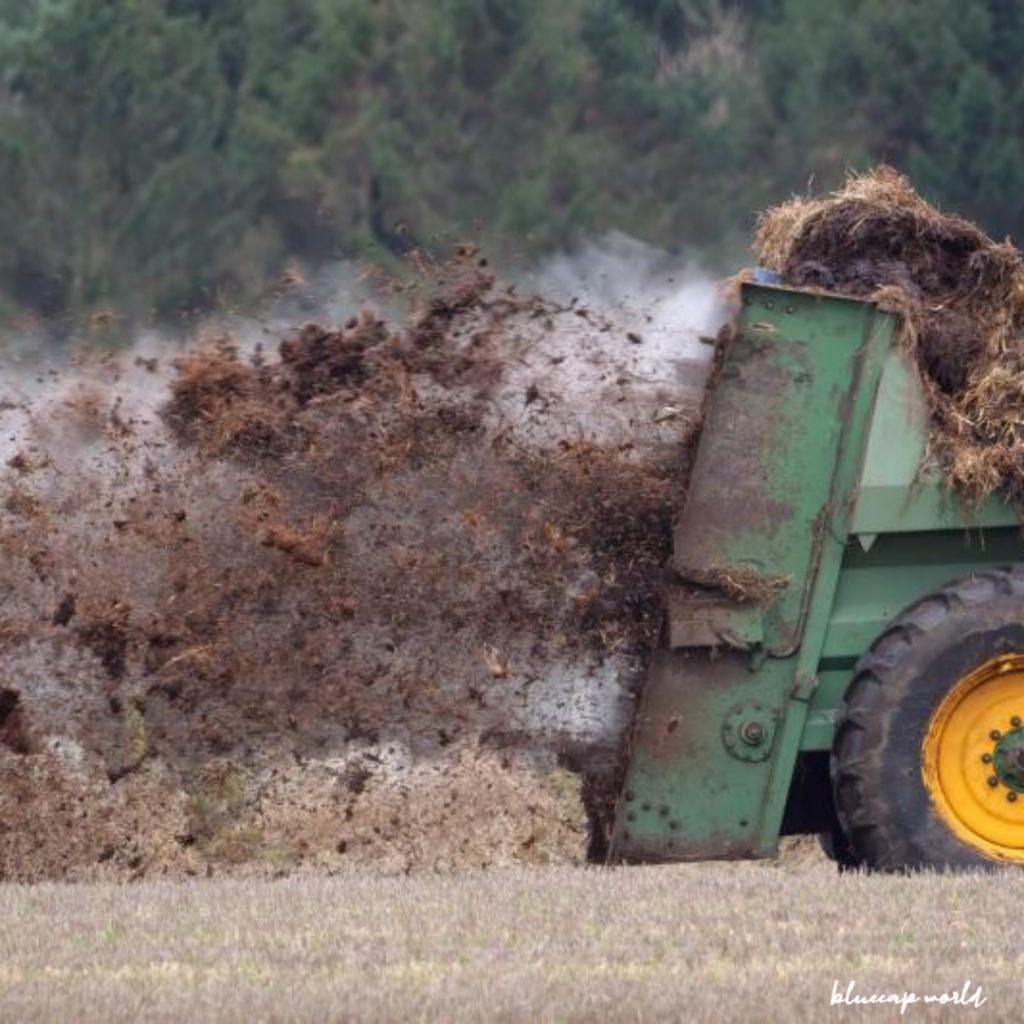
[777,457]
[758,500]
[711,620]
[686,797]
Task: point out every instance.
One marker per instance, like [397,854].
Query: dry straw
[959,296]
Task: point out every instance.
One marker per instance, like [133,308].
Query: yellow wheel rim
[973,758]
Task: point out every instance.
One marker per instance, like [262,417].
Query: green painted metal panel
[770,497]
[764,467]
[900,568]
[894,495]
[711,620]
[820,729]
[685,797]
[848,464]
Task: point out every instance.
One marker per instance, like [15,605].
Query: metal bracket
[704,620]
[748,732]
[804,685]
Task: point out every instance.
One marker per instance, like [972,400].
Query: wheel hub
[973,758]
[1008,760]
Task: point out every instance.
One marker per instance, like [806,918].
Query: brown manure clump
[959,295]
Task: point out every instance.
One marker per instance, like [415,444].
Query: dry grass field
[694,943]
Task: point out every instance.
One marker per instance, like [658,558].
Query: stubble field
[695,943]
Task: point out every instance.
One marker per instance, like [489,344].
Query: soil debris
[346,599]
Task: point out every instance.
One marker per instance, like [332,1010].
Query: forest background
[158,156]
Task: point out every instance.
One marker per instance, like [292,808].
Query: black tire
[880,798]
[837,848]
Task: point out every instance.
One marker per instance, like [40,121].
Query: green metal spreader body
[809,523]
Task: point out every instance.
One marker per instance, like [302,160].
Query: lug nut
[1015,721]
[993,781]
[1011,796]
[996,734]
[986,758]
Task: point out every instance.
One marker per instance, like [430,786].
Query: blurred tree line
[157,153]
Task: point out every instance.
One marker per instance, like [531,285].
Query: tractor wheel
[928,762]
[837,848]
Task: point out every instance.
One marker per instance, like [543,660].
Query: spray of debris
[377,593]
